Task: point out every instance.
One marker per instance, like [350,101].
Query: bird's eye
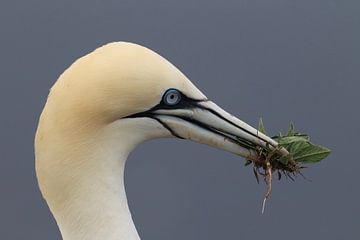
[172,97]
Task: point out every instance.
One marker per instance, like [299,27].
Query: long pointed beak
[207,123]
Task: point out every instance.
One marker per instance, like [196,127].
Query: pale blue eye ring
[172,97]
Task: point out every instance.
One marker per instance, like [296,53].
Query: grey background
[282,60]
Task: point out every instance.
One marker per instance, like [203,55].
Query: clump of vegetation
[269,160]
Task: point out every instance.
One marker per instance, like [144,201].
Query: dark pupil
[172,96]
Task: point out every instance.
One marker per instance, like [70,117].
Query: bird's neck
[83,183]
[98,208]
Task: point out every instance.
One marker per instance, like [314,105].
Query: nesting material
[270,161]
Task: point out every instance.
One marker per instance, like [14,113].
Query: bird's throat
[99,211]
[83,184]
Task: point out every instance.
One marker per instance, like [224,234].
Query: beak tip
[284,151]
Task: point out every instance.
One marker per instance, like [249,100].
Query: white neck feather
[83,181]
[99,209]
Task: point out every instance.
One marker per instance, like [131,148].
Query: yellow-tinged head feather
[114,81]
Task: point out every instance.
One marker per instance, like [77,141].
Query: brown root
[268,162]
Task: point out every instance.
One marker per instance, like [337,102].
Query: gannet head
[141,94]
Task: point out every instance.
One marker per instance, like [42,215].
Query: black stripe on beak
[190,103]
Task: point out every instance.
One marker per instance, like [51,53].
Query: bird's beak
[205,122]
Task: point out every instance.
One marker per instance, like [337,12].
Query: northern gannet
[103,106]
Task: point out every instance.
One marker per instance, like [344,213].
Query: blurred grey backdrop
[283,60]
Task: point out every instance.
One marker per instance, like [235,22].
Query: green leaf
[311,153]
[288,140]
[261,126]
[291,130]
[298,145]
